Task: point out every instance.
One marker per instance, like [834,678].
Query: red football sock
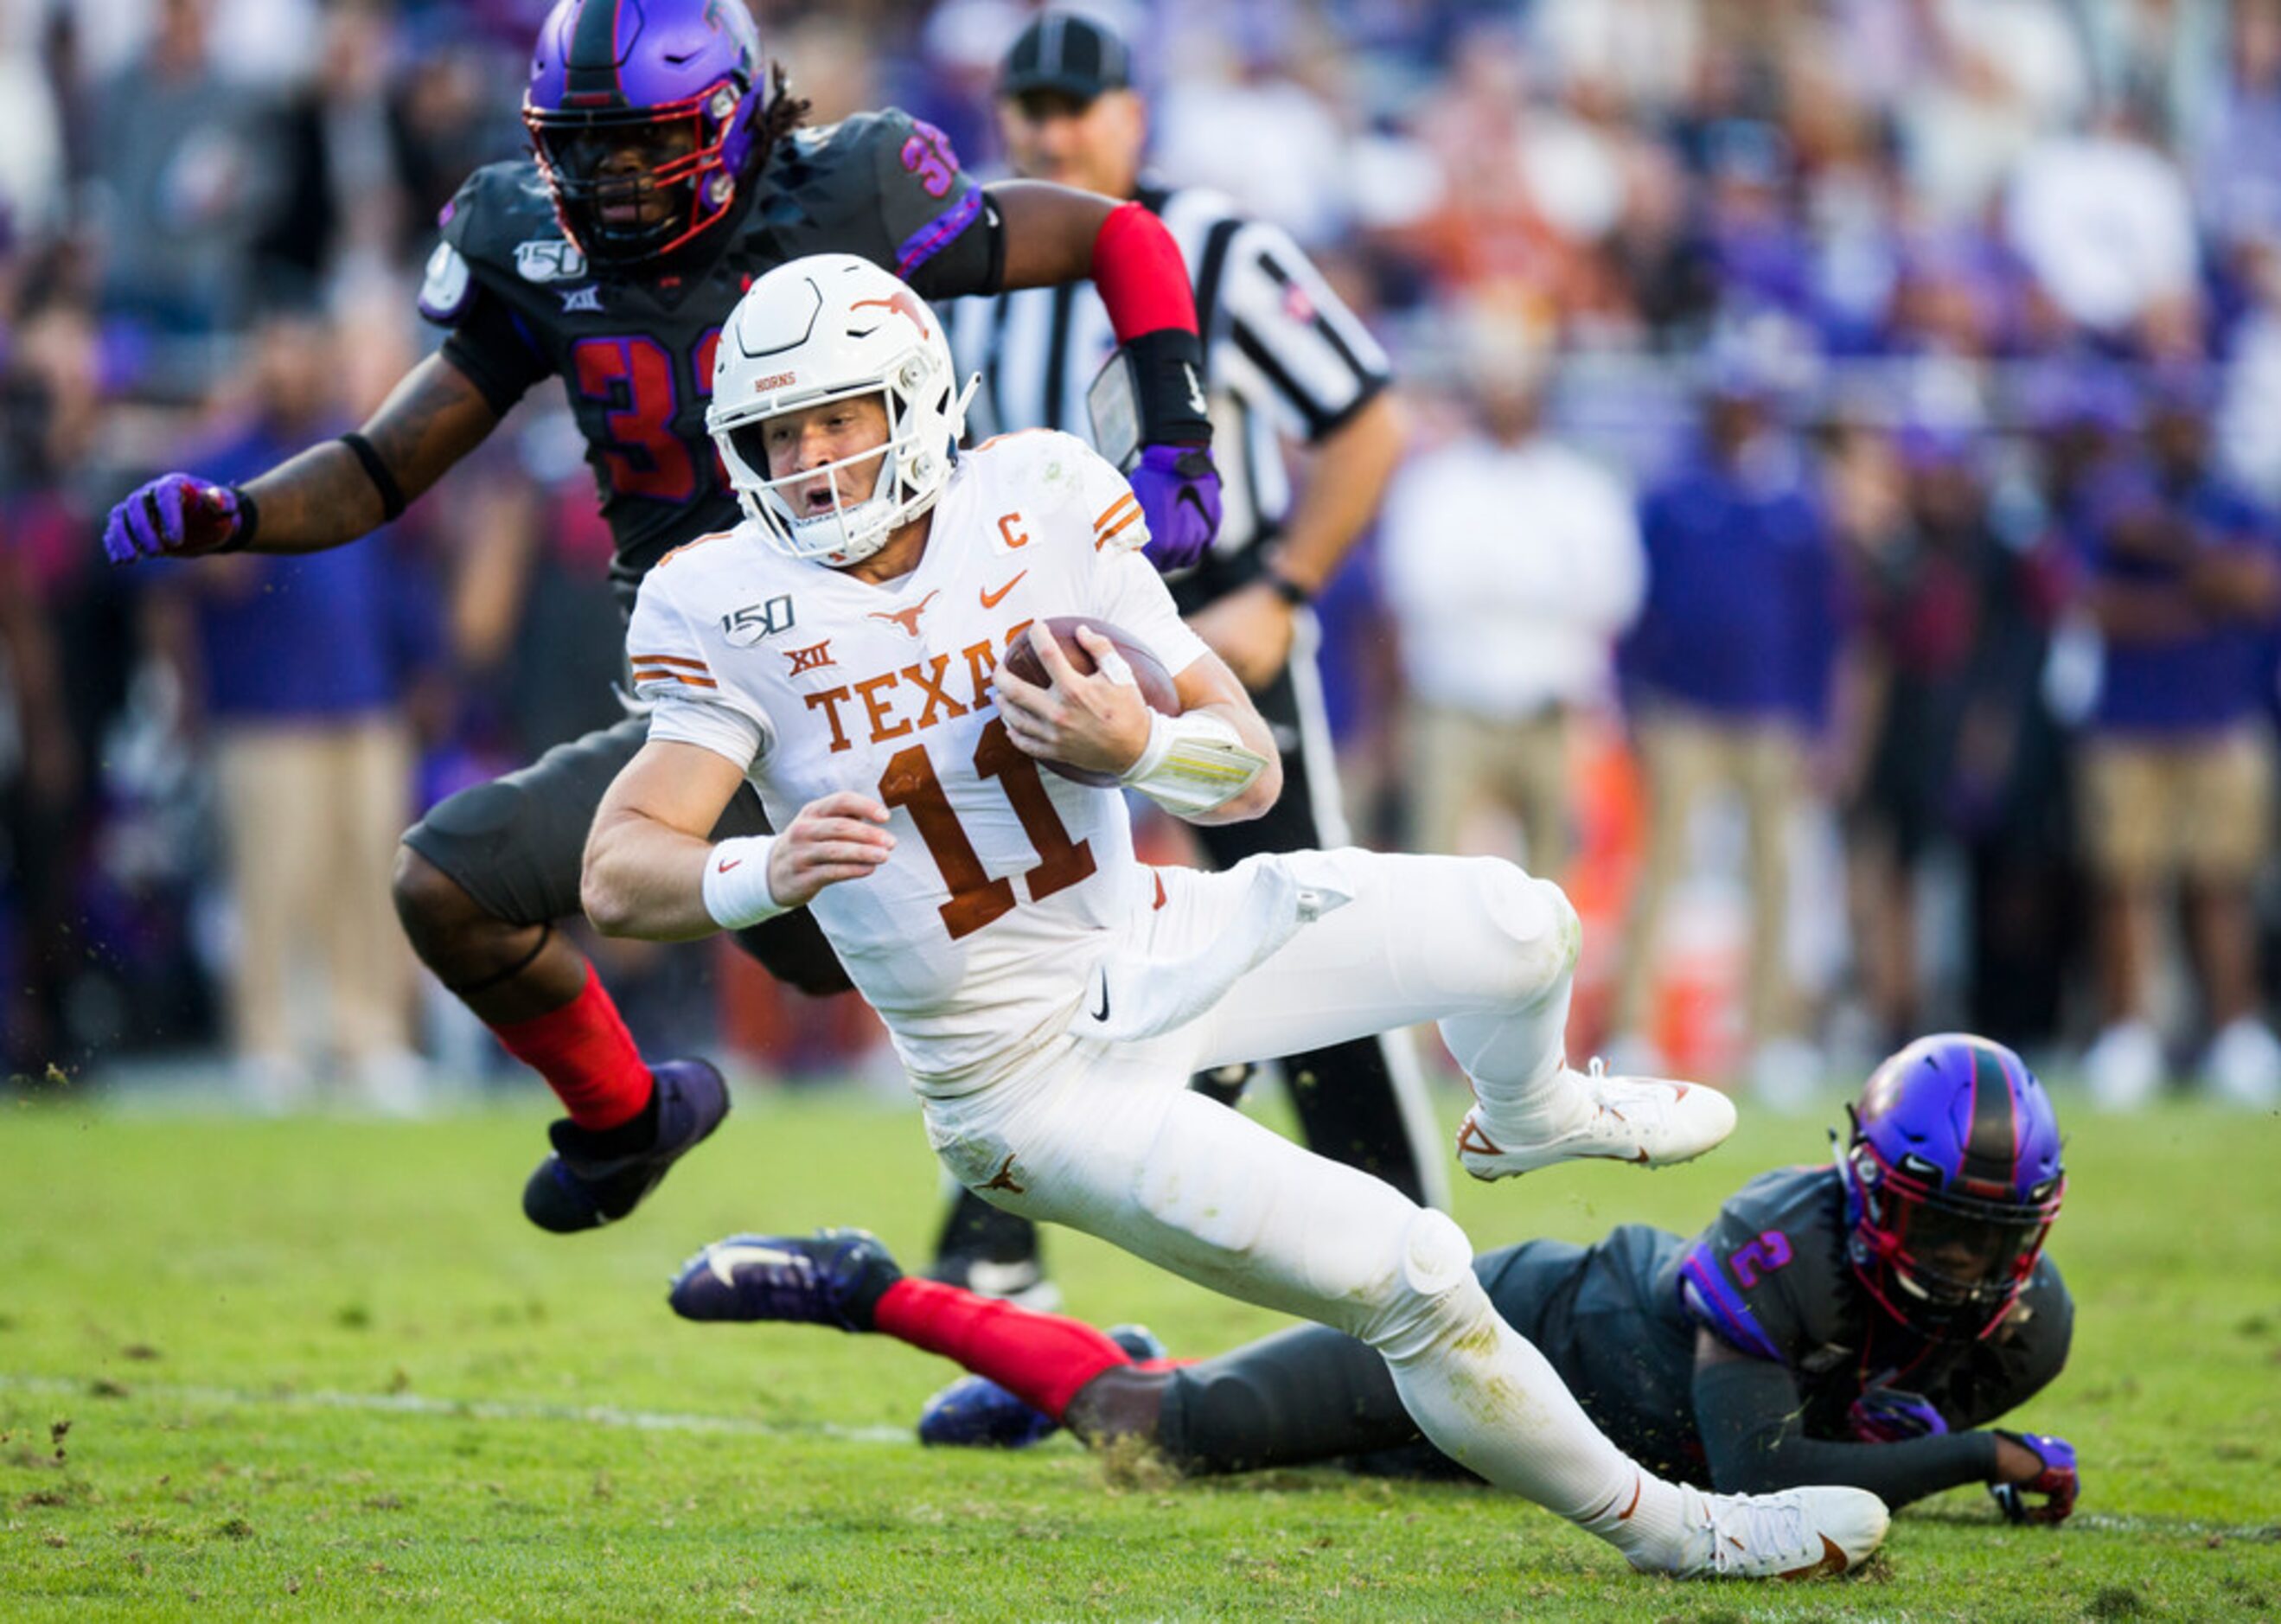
[1043,1360]
[586,1056]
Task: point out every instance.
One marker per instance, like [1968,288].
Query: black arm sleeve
[490,346]
[1747,1412]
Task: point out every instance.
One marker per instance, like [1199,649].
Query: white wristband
[1193,762]
[737,883]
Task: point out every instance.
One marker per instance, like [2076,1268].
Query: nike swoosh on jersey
[991,600]
[1102,1014]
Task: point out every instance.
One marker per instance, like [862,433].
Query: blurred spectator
[1926,572]
[2016,754]
[183,178]
[2104,221]
[1728,669]
[296,670]
[1231,120]
[2182,580]
[32,158]
[1992,77]
[2235,132]
[1512,564]
[338,204]
[52,703]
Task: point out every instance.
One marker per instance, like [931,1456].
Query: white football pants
[1107,1138]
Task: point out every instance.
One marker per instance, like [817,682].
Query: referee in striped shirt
[1285,360]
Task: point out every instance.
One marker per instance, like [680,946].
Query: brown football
[1155,681]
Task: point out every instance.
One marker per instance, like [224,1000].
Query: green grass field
[324,1369]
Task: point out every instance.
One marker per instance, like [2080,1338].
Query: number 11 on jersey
[975,899]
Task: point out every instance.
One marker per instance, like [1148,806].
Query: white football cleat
[1645,1120]
[1798,1534]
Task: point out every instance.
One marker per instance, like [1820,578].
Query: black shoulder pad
[1769,1275]
[888,187]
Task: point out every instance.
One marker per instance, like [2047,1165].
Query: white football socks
[1516,1055]
[1489,1400]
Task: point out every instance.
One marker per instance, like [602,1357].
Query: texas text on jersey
[635,352]
[961,940]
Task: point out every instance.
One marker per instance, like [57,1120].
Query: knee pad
[1537,925]
[1436,1257]
[1433,1289]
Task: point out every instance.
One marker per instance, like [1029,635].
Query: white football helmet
[833,327]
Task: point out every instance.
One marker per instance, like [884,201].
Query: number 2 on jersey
[975,899]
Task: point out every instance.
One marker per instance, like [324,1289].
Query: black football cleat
[835,1277]
[993,1253]
[578,1188]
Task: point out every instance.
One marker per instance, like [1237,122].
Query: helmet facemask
[681,185]
[905,473]
[643,117]
[1952,1178]
[811,333]
[1940,1257]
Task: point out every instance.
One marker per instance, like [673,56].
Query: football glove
[1889,1415]
[176,514]
[2056,1485]
[1180,497]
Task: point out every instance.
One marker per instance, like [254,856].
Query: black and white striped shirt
[1283,357]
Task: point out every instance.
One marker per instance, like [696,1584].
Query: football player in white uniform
[1049,995]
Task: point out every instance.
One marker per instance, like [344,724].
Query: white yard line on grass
[470,1409]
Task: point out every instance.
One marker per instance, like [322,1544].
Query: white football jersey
[973,940]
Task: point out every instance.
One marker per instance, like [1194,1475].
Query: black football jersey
[1618,1319]
[1770,1276]
[635,349]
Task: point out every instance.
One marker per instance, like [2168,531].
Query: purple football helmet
[642,116]
[1953,1179]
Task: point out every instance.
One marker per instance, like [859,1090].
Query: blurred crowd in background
[1838,544]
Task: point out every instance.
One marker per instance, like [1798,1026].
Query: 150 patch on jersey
[548,260]
[748,625]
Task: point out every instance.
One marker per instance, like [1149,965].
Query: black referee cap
[1065,51]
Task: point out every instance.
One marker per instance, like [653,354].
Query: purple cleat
[584,1185]
[974,1412]
[836,1278]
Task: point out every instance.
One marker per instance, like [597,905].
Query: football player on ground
[1048,995]
[1861,1324]
[667,172]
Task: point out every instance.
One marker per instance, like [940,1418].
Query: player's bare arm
[645,855]
[651,848]
[1100,721]
[1049,230]
[326,495]
[1348,472]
